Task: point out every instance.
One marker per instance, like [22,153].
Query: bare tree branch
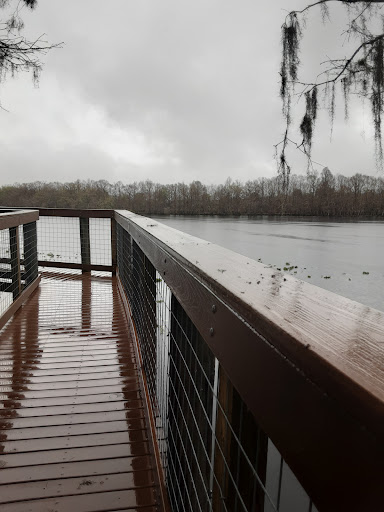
[16,52]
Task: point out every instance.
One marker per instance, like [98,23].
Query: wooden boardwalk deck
[74,430]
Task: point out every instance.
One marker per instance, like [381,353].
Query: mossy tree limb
[361,74]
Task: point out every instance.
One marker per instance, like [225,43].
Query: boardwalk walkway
[73,422]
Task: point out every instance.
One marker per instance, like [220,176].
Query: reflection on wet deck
[73,421]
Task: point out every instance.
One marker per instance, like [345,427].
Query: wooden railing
[84,217]
[18,276]
[299,366]
[308,364]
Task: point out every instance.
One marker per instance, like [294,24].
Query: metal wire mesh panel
[190,428]
[100,241]
[138,277]
[59,239]
[149,300]
[75,240]
[218,458]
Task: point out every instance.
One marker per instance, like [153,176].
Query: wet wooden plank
[74,370]
[65,357]
[130,376]
[93,364]
[66,395]
[89,454]
[75,486]
[66,350]
[20,423]
[79,441]
[132,499]
[62,410]
[73,429]
[44,385]
[73,469]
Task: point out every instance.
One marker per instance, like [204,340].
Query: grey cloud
[200,79]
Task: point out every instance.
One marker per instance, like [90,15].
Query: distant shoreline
[313,195]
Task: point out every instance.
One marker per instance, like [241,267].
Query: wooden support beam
[113,245]
[30,252]
[85,242]
[75,266]
[15,261]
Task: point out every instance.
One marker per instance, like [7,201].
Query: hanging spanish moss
[308,121]
[16,52]
[291,34]
[345,87]
[361,74]
[377,96]
[332,106]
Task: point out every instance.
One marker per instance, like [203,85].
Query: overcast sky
[166,90]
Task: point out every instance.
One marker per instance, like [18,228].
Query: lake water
[344,257]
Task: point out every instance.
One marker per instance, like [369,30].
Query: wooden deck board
[74,432]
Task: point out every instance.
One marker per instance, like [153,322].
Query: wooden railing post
[113,246]
[85,242]
[15,261]
[30,252]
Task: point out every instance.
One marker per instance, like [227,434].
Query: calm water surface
[327,253]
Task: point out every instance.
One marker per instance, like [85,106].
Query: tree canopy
[360,73]
[316,193]
[16,52]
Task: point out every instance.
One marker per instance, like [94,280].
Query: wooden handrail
[308,363]
[14,218]
[72,212]
[65,212]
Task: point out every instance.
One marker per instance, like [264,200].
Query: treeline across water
[314,194]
